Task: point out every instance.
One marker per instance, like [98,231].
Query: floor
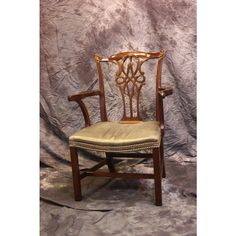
[120,207]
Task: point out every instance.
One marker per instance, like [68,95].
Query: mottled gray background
[73,31]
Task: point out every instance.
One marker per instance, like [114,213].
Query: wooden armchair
[129,135]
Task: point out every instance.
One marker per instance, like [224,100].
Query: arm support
[78,98]
[162,93]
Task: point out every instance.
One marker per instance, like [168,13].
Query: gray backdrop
[73,31]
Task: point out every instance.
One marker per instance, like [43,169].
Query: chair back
[129,78]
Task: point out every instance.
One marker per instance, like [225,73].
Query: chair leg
[157,176]
[162,160]
[110,164]
[75,173]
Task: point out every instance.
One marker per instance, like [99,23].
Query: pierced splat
[130,79]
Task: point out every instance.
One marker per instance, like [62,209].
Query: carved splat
[130,79]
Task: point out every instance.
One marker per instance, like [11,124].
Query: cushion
[118,137]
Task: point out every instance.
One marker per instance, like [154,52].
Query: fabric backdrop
[72,31]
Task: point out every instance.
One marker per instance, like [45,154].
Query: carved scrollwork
[130,79]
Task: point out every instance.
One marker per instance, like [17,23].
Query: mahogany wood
[84,95]
[78,98]
[83,175]
[165,91]
[110,164]
[121,175]
[157,176]
[102,101]
[162,159]
[96,167]
[129,79]
[75,173]
[131,155]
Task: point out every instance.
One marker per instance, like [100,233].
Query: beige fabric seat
[115,136]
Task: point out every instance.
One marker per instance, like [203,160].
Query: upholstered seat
[116,136]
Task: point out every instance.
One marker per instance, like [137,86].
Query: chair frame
[157,153]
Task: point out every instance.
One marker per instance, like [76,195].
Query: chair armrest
[83,95]
[165,91]
[78,98]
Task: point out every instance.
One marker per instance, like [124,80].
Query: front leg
[75,173]
[157,176]
[162,159]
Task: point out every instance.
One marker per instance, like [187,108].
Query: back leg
[110,164]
